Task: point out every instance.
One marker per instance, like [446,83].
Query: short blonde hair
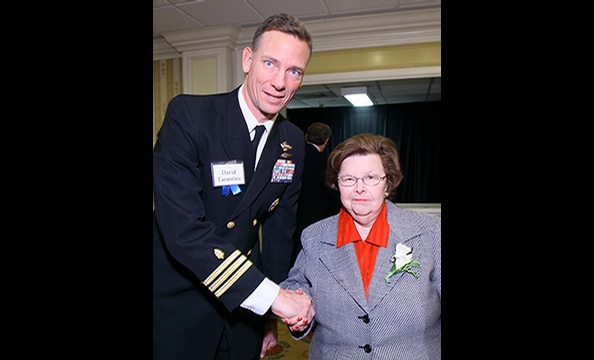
[285,23]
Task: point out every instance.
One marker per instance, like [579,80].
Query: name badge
[227,173]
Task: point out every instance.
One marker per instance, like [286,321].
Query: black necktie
[259,131]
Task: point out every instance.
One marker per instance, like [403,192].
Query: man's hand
[295,308]
[270,336]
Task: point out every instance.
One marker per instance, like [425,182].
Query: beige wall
[167,82]
[375,58]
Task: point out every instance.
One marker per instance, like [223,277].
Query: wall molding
[370,75]
[163,50]
[404,27]
[203,39]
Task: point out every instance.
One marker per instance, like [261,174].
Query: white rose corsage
[403,261]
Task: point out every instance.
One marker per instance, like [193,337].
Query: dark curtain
[414,127]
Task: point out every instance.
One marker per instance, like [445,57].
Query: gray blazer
[400,321]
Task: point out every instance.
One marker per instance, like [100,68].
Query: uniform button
[255,222]
[367,348]
[230,225]
[365,318]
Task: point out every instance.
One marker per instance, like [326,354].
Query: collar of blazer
[342,263]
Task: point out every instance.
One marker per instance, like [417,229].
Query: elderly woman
[373,271]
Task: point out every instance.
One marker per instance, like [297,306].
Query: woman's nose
[360,187]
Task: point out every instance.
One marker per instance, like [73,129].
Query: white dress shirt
[252,122]
[262,298]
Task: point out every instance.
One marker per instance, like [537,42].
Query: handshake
[295,308]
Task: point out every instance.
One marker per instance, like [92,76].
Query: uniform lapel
[236,141]
[270,154]
[256,181]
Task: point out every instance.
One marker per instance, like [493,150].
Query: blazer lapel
[378,288]
[342,264]
[399,233]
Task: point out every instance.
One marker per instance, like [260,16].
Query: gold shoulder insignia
[219,253]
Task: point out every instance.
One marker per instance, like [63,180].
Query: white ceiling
[180,15]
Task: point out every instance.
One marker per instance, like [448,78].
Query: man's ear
[246,59]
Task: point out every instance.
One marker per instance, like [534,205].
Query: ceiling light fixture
[356,95]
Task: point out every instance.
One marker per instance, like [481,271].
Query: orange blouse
[366,250]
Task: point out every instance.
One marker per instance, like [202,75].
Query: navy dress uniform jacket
[206,255]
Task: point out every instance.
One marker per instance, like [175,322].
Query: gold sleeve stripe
[228,272]
[216,272]
[246,265]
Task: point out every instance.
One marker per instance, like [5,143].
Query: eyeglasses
[369,180]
